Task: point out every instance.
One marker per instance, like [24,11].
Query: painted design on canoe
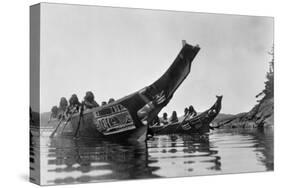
[113,119]
[186,126]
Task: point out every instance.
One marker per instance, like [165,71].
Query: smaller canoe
[198,124]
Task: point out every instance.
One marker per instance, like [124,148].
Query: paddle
[67,122]
[64,125]
[54,132]
[79,122]
[52,135]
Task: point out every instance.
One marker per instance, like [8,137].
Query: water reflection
[263,144]
[184,155]
[65,160]
[92,160]
[244,150]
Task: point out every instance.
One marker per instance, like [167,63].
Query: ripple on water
[223,151]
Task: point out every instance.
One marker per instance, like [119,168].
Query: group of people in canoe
[188,113]
[73,105]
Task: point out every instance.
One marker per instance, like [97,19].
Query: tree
[268,91]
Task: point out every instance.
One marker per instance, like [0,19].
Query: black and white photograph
[130,93]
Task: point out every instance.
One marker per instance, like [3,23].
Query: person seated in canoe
[164,119]
[186,112]
[192,111]
[189,113]
[103,103]
[74,105]
[54,113]
[145,111]
[89,100]
[63,105]
[111,100]
[174,117]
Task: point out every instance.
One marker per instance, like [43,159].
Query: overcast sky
[114,52]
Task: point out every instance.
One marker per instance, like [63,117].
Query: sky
[116,51]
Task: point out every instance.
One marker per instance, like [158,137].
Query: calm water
[221,151]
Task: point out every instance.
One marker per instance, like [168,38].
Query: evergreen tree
[268,91]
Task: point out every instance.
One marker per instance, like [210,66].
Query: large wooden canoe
[197,124]
[119,120]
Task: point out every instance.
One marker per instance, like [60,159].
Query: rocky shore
[261,115]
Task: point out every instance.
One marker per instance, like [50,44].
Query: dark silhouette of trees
[268,91]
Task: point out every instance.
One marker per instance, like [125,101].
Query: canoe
[198,124]
[120,120]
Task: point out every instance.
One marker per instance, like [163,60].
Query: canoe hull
[176,128]
[88,129]
[120,120]
[197,125]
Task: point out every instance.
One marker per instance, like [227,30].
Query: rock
[261,115]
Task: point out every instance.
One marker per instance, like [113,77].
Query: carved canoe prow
[128,117]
